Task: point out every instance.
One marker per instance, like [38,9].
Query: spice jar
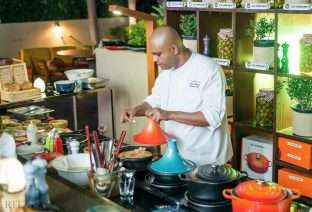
[306,53]
[264,107]
[225,44]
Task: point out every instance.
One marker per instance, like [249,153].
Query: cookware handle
[295,194]
[227,193]
[243,175]
[184,177]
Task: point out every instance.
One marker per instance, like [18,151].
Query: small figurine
[284,61]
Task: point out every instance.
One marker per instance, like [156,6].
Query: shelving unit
[248,81]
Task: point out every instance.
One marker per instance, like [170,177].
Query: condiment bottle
[31,133]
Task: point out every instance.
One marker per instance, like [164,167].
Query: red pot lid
[260,191]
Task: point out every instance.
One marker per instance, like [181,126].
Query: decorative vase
[190,42]
[263,52]
[301,122]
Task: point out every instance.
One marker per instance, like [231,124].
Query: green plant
[136,34]
[159,13]
[229,83]
[300,90]
[188,25]
[262,30]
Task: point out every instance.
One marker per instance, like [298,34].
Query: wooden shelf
[44,98]
[242,68]
[298,76]
[294,167]
[288,133]
[239,10]
[253,125]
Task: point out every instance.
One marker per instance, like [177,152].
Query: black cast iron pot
[137,164]
[207,182]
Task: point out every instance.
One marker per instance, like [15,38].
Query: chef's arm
[195,118]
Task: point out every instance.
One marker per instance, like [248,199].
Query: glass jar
[104,182]
[306,53]
[264,107]
[225,44]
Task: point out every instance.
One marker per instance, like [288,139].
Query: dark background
[45,10]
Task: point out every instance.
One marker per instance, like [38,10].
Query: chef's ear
[174,49]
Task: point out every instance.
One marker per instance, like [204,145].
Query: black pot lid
[216,173]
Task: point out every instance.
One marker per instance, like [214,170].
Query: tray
[30,112]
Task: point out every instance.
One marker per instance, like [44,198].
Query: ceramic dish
[64,86]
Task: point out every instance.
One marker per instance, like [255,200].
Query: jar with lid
[264,107]
[225,44]
[306,53]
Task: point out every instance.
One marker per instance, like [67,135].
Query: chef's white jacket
[198,85]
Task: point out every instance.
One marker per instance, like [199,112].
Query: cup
[126,181]
[104,182]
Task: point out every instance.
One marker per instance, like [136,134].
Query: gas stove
[178,198]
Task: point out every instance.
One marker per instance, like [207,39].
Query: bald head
[166,36]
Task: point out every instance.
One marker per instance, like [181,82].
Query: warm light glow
[58,30]
[291,34]
[117,12]
[39,83]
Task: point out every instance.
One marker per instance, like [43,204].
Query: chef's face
[165,56]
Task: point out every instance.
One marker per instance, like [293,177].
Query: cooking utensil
[257,162]
[116,152]
[259,196]
[151,135]
[97,148]
[207,182]
[138,164]
[89,148]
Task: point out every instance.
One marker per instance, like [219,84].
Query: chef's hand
[157,114]
[128,115]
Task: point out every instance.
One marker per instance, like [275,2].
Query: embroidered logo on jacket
[194,84]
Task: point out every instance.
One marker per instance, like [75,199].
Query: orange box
[294,180]
[295,152]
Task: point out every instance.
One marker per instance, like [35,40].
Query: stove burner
[151,181]
[203,206]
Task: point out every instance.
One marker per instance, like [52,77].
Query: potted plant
[229,92]
[159,13]
[262,32]
[188,27]
[300,90]
[136,36]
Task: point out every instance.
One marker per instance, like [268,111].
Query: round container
[306,53]
[264,107]
[64,86]
[225,44]
[207,182]
[259,196]
[137,164]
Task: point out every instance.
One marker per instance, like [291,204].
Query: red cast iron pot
[257,162]
[260,196]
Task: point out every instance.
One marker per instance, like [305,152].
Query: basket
[16,73]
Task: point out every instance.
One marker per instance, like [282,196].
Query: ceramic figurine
[206,41]
[284,61]
[41,183]
[32,192]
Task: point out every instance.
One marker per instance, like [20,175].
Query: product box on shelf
[15,85]
[256,158]
[295,152]
[295,180]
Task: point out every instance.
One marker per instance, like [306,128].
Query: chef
[189,96]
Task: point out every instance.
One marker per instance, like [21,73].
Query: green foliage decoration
[188,25]
[263,29]
[300,90]
[136,34]
[159,12]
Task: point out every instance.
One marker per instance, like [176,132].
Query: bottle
[31,133]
